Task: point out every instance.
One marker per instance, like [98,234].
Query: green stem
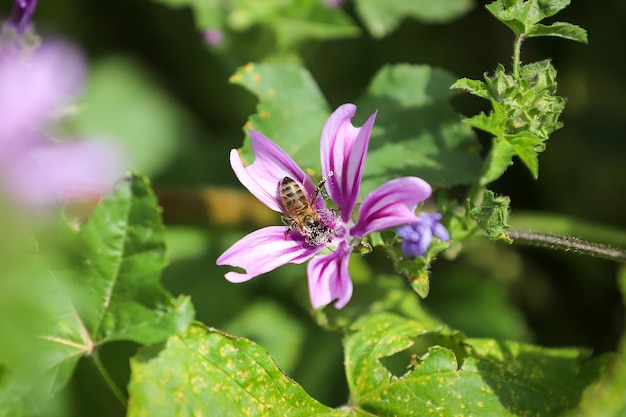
[568,244]
[107,378]
[517,48]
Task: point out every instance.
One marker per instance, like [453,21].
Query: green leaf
[521,15]
[125,104]
[526,147]
[383,16]
[500,159]
[475,87]
[458,376]
[606,397]
[291,111]
[526,111]
[494,123]
[561,30]
[292,20]
[415,271]
[207,372]
[492,215]
[208,13]
[112,290]
[416,131]
[311,19]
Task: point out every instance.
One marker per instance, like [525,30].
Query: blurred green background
[159,89]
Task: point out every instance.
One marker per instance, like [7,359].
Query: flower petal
[391,204]
[48,172]
[265,250]
[329,278]
[35,86]
[343,148]
[270,166]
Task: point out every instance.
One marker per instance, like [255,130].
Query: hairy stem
[107,378]
[568,243]
[517,48]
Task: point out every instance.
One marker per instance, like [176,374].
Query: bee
[300,214]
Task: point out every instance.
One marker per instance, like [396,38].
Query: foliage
[442,334]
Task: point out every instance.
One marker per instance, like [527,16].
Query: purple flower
[213,36]
[21,15]
[333,3]
[343,150]
[417,236]
[35,88]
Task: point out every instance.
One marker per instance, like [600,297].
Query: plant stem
[517,48]
[107,378]
[567,244]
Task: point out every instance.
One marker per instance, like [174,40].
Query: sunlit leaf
[292,21]
[459,376]
[560,30]
[521,15]
[207,372]
[383,16]
[291,111]
[311,19]
[475,87]
[112,291]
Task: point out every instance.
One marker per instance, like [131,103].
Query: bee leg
[287,221]
[320,185]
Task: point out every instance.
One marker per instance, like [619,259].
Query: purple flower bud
[417,237]
[21,14]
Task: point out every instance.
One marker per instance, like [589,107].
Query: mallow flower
[36,87]
[417,236]
[343,150]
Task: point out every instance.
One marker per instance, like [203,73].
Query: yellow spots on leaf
[257,78]
[248,67]
[236,78]
[271,93]
[480,404]
[421,280]
[264,114]
[179,396]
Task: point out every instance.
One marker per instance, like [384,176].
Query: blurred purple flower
[417,236]
[35,87]
[21,15]
[333,3]
[213,37]
[343,151]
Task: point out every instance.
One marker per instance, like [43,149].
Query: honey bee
[300,214]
